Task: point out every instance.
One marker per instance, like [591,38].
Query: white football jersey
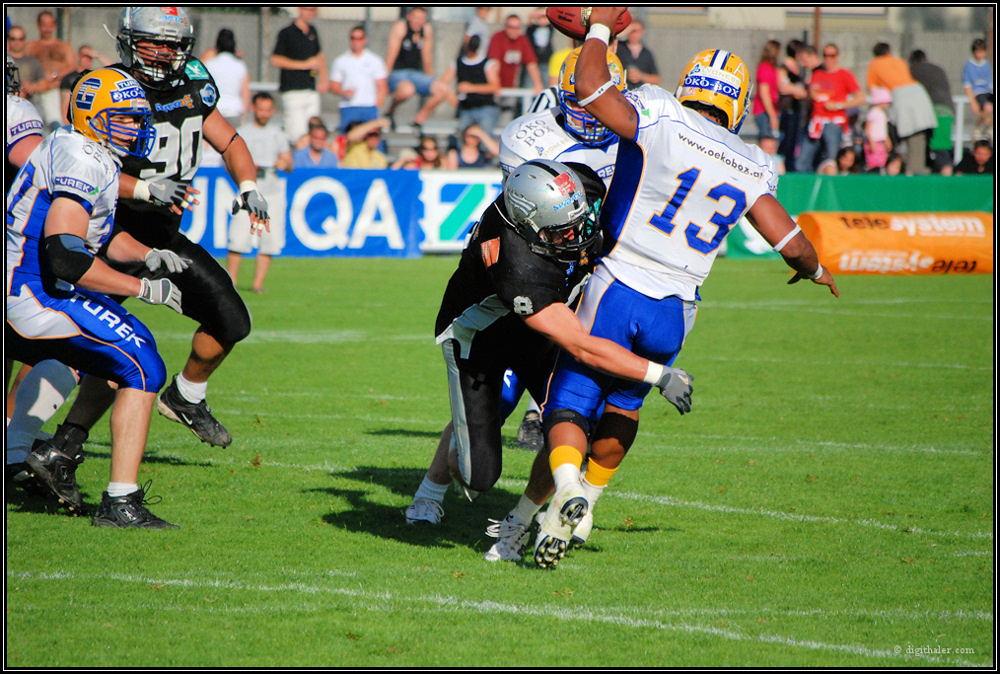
[540,136]
[66,164]
[22,120]
[679,188]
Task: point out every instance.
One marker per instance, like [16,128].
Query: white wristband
[141,191]
[594,96]
[788,237]
[654,371]
[599,32]
[247,186]
[819,272]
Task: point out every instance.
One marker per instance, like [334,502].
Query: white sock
[533,407]
[192,392]
[565,476]
[524,511]
[590,491]
[431,490]
[40,395]
[116,489]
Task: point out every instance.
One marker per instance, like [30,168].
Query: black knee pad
[559,416]
[618,426]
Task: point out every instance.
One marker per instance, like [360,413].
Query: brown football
[571,21]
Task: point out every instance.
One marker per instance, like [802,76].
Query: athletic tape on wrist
[653,373]
[599,32]
[819,272]
[247,186]
[141,190]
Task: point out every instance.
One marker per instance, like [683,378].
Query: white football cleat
[564,513]
[582,530]
[511,537]
[424,511]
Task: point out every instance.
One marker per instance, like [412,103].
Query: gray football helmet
[168,26]
[550,209]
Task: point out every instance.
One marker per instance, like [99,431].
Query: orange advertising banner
[902,243]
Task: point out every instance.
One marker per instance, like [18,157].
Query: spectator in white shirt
[359,76]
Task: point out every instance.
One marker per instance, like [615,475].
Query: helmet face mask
[155,43]
[549,208]
[719,79]
[101,100]
[13,77]
[580,123]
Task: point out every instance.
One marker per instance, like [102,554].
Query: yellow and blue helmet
[719,79]
[579,122]
[106,93]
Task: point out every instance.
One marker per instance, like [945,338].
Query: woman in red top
[765,100]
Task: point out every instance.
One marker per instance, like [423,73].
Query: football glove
[253,202]
[161,291]
[168,259]
[675,385]
[162,192]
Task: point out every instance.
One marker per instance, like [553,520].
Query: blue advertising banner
[344,212]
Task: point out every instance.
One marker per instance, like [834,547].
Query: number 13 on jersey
[689,196]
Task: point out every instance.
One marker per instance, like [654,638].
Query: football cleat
[511,538]
[529,434]
[564,513]
[582,530]
[129,512]
[196,416]
[424,511]
[53,464]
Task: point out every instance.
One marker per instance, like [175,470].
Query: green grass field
[828,502]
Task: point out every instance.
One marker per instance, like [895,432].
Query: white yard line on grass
[618,616]
[793,517]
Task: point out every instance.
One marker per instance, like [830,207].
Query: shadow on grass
[150,457]
[463,524]
[30,497]
[434,435]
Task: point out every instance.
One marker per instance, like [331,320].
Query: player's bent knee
[234,331]
[565,415]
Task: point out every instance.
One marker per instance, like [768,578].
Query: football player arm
[65,227]
[18,154]
[772,221]
[593,81]
[221,135]
[559,323]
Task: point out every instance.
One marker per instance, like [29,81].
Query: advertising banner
[451,203]
[345,212]
[902,243]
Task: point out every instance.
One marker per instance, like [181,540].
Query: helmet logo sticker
[86,92]
[564,183]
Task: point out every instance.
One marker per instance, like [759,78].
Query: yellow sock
[564,454]
[598,475]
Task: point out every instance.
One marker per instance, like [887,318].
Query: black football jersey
[500,281]
[178,115]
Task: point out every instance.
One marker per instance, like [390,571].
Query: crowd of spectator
[824,121]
